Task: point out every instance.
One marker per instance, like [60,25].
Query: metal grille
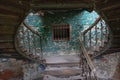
[61,32]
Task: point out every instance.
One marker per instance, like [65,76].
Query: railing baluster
[106,31]
[90,37]
[23,37]
[96,36]
[41,57]
[84,39]
[28,39]
[34,43]
[101,34]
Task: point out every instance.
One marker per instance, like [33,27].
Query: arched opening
[53,33]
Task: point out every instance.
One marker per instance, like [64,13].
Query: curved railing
[96,38]
[29,43]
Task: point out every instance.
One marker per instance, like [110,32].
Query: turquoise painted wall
[78,20]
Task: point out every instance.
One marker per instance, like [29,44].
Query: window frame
[61,27]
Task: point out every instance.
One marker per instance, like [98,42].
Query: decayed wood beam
[16,55]
[112,12]
[8,50]
[116,32]
[4,16]
[10,12]
[60,1]
[103,3]
[6,37]
[116,19]
[112,16]
[11,9]
[62,5]
[6,45]
[111,7]
[5,41]
[16,4]
[7,30]
[116,36]
[9,21]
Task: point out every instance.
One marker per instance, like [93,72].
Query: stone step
[63,64]
[63,72]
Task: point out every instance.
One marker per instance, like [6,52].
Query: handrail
[85,53]
[88,59]
[25,34]
[31,29]
[97,20]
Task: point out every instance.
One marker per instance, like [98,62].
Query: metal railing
[88,69]
[96,37]
[29,42]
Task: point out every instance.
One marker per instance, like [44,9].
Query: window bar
[60,29]
[56,33]
[65,32]
[96,37]
[53,33]
[68,32]
[23,36]
[67,29]
[101,33]
[41,50]
[68,35]
[55,37]
[59,37]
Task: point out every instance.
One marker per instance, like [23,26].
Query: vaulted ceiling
[13,12]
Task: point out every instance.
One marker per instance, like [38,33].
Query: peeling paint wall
[78,20]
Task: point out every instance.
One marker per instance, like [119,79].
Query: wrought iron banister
[96,37]
[31,29]
[29,43]
[93,25]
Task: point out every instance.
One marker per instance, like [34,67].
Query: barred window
[61,32]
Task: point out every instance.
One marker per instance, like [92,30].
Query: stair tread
[64,72]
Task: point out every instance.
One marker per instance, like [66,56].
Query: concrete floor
[107,68]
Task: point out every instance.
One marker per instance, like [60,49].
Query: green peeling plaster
[78,21]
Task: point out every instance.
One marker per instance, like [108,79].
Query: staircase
[12,13]
[62,66]
[26,43]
